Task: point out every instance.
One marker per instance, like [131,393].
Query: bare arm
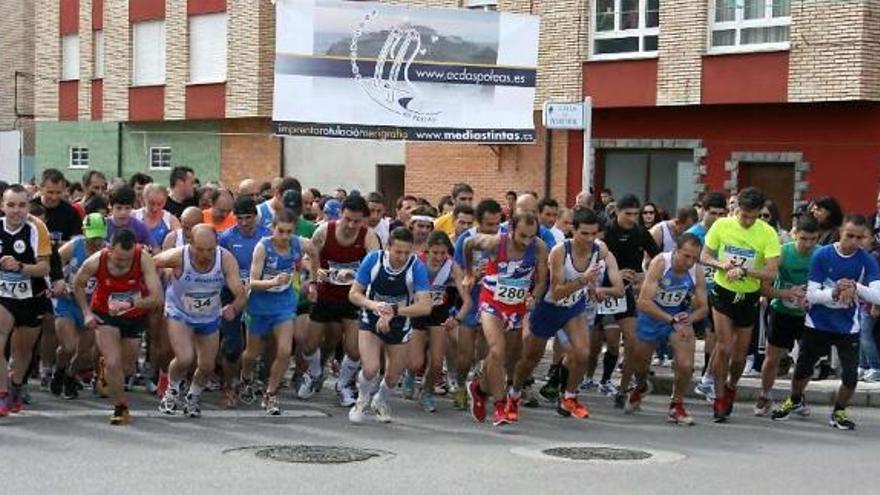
[541,274]
[233,281]
[81,280]
[371,242]
[700,301]
[614,277]
[421,306]
[646,302]
[154,287]
[171,258]
[257,283]
[466,302]
[358,296]
[170,240]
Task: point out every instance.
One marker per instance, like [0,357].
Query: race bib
[612,306]
[740,257]
[512,291]
[115,300]
[709,272]
[572,299]
[245,278]
[91,285]
[670,298]
[343,273]
[438,297]
[15,288]
[201,303]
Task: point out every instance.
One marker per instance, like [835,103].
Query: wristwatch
[395,308]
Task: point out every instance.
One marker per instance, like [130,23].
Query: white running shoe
[347,396]
[607,389]
[382,409]
[358,412]
[307,387]
[706,389]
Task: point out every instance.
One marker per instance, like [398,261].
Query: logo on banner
[390,85]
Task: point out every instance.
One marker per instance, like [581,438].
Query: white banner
[364,70]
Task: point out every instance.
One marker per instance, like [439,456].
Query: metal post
[587,168]
[548,160]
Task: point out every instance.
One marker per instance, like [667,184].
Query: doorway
[390,181]
[664,177]
[776,180]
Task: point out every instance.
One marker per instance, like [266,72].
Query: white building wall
[330,163]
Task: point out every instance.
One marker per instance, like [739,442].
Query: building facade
[17,90]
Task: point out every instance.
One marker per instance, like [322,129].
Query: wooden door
[390,182]
[777,182]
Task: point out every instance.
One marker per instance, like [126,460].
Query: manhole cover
[597,454]
[311,454]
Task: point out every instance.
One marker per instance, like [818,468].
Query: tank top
[668,240]
[197,294]
[387,285]
[21,245]
[80,254]
[125,287]
[674,290]
[507,281]
[161,230]
[279,299]
[572,273]
[180,239]
[336,257]
[439,281]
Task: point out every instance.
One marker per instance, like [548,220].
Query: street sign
[559,115]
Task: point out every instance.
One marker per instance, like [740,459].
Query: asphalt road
[68,447]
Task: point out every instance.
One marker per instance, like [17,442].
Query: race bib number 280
[512,291]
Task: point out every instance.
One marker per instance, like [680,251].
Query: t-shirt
[305,228]
[826,268]
[446,223]
[176,208]
[63,222]
[794,268]
[630,245]
[242,247]
[419,272]
[141,232]
[747,248]
[226,224]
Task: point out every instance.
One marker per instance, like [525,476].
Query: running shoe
[840,420]
[70,388]
[679,415]
[230,396]
[607,389]
[347,395]
[512,407]
[308,387]
[56,385]
[249,393]
[382,409]
[619,400]
[588,384]
[571,407]
[789,407]
[441,384]
[550,391]
[16,404]
[763,406]
[872,376]
[477,400]
[358,412]
[459,399]
[45,380]
[120,415]
[409,385]
[169,402]
[729,399]
[634,403]
[500,418]
[162,386]
[706,389]
[270,404]
[429,405]
[192,406]
[719,409]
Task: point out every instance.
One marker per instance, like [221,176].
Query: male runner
[665,233]
[340,245]
[121,207]
[190,217]
[744,251]
[194,309]
[841,275]
[391,287]
[127,287]
[157,219]
[25,247]
[672,298]
[788,294]
[515,272]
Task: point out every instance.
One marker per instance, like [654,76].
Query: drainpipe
[119,149]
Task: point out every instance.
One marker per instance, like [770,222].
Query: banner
[363,70]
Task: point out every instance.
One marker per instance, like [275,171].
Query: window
[489,5]
[748,25]
[79,157]
[148,53]
[160,157]
[625,28]
[70,57]
[207,48]
[99,55]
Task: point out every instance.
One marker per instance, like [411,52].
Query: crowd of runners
[253,289]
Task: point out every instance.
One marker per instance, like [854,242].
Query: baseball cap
[332,209]
[94,226]
[244,205]
[293,200]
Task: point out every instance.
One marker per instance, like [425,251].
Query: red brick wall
[432,169]
[248,150]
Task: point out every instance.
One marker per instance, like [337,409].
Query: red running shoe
[729,399]
[478,400]
[4,405]
[162,386]
[512,407]
[500,413]
[571,407]
[679,415]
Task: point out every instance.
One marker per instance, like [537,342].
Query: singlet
[668,238]
[195,294]
[673,290]
[794,270]
[440,282]
[242,247]
[80,255]
[279,299]
[26,244]
[507,281]
[336,257]
[578,297]
[385,284]
[125,287]
[161,230]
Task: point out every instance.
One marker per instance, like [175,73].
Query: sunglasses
[766,216]
[649,212]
